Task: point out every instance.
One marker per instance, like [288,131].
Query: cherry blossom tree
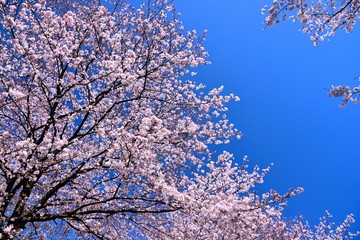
[102,135]
[321,19]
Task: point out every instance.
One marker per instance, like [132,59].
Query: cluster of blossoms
[346,93]
[102,137]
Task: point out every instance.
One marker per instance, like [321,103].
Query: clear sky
[285,113]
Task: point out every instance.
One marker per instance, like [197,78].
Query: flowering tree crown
[102,136]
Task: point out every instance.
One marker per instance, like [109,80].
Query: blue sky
[285,113]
